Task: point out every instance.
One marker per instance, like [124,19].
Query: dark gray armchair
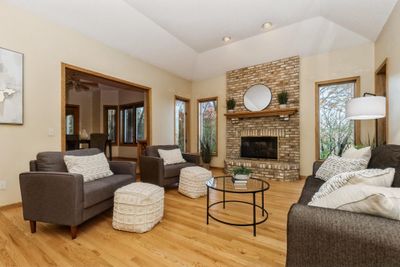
[153,170]
[50,194]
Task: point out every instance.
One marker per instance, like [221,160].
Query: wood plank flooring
[182,238]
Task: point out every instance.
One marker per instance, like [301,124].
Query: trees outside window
[132,123]
[181,123]
[334,132]
[208,123]
[110,123]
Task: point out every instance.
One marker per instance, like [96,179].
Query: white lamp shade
[366,108]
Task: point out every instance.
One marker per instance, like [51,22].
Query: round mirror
[257,97]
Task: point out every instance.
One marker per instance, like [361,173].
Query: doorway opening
[381,90]
[100,107]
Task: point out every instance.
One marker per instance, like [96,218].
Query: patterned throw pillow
[368,199]
[172,156]
[354,153]
[91,167]
[376,177]
[335,165]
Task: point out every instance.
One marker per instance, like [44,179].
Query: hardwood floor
[182,238]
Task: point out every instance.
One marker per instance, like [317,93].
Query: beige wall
[388,46]
[356,61]
[204,89]
[45,45]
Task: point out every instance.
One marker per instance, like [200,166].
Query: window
[132,123]
[110,123]
[181,123]
[140,123]
[208,123]
[333,132]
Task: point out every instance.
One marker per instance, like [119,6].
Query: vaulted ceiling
[185,36]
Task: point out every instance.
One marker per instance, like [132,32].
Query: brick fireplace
[278,75]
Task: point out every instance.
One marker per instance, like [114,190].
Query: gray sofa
[326,237]
[153,170]
[50,194]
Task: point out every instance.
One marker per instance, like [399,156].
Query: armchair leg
[74,231]
[33,226]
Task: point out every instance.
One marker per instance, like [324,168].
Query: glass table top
[227,184]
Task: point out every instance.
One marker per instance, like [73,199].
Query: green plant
[205,151]
[230,104]
[283,97]
[241,170]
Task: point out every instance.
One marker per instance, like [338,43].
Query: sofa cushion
[54,161]
[104,188]
[387,156]
[361,198]
[152,151]
[311,186]
[91,167]
[335,165]
[174,170]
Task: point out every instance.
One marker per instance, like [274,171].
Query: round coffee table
[225,185]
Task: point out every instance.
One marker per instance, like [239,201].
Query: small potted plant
[230,105]
[205,153]
[283,99]
[241,173]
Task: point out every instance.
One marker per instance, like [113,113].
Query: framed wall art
[11,87]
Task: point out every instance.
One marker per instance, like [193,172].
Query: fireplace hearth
[259,147]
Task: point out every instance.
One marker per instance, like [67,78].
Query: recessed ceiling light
[266,25]
[226,39]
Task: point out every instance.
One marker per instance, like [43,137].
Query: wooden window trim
[187,101]
[357,128]
[215,98]
[105,122]
[121,108]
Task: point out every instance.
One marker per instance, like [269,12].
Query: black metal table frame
[254,204]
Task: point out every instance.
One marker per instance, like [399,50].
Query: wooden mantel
[282,112]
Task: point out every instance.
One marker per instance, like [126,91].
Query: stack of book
[239,183]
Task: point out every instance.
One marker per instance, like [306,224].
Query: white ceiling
[184,36]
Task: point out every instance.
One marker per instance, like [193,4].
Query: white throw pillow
[91,167]
[172,156]
[354,153]
[376,177]
[374,200]
[335,165]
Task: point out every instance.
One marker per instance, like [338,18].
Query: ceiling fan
[78,84]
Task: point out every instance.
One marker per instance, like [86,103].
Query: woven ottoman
[138,207]
[192,181]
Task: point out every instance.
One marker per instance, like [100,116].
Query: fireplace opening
[261,147]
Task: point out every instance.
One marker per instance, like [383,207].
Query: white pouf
[192,181]
[138,207]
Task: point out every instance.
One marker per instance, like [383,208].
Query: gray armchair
[153,170]
[50,194]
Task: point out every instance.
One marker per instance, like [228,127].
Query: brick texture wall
[278,75]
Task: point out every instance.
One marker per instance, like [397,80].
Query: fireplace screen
[265,147]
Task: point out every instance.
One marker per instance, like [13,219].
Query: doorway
[181,119]
[381,90]
[101,99]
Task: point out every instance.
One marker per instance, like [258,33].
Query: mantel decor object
[257,97]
